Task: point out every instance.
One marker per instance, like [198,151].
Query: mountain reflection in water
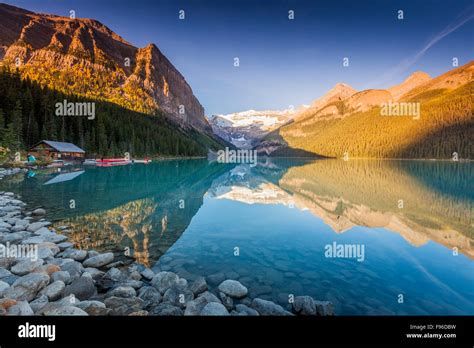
[189,215]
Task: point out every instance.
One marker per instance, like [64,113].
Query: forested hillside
[446,125]
[27,115]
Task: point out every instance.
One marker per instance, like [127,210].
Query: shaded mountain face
[84,57]
[340,123]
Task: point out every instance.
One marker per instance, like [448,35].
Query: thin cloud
[404,65]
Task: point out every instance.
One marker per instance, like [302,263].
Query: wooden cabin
[57,150]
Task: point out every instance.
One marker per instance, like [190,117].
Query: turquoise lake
[269,226]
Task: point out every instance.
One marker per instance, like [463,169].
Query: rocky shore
[57,279]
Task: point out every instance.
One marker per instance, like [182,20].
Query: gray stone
[233,288]
[10,279]
[35,226]
[92,253]
[166,309]
[4,273]
[25,288]
[135,275]
[214,309]
[199,286]
[94,308]
[66,311]
[69,300]
[86,274]
[83,288]
[123,306]
[178,296]
[20,308]
[33,240]
[61,275]
[304,305]
[42,230]
[94,272]
[39,211]
[3,287]
[65,245]
[74,268]
[45,253]
[324,308]
[26,266]
[5,225]
[195,306]
[164,280]
[264,307]
[241,308]
[15,237]
[38,303]
[54,290]
[226,301]
[147,273]
[75,254]
[210,297]
[99,260]
[150,295]
[122,291]
[136,284]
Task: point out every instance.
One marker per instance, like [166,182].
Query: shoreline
[62,280]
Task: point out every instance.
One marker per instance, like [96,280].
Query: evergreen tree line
[27,116]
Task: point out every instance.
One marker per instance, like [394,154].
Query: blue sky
[286,62]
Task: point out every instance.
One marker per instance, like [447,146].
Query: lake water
[271,226]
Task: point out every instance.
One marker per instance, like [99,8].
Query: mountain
[245,129]
[327,104]
[85,58]
[414,80]
[356,125]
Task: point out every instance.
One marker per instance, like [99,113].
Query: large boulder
[233,288]
[54,290]
[26,266]
[83,288]
[99,260]
[25,288]
[164,280]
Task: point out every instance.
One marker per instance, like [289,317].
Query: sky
[285,62]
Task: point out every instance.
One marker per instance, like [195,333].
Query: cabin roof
[62,147]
